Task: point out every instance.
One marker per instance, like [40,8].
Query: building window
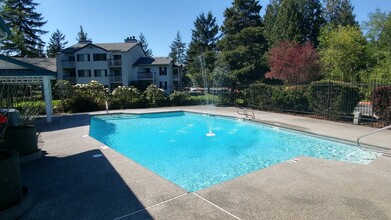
[99,56]
[165,85]
[83,57]
[84,73]
[100,73]
[162,71]
[161,85]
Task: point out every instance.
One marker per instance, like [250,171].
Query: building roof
[44,63]
[151,61]
[122,47]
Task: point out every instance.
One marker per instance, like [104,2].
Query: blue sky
[159,20]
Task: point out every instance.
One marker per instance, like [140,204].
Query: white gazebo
[24,71]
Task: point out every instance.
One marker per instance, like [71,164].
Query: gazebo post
[47,88]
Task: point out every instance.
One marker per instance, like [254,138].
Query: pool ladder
[373,132]
[244,111]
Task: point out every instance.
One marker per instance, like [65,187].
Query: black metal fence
[368,104]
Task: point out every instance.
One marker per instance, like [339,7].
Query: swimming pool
[175,146]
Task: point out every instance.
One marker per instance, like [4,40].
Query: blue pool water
[175,146]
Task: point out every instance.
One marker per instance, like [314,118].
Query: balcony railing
[113,63]
[145,75]
[175,77]
[115,78]
[68,64]
[71,79]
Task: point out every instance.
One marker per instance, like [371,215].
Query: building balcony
[115,79]
[71,79]
[175,77]
[145,75]
[66,64]
[114,63]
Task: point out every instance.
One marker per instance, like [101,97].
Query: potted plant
[22,136]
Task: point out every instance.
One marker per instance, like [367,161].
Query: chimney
[131,40]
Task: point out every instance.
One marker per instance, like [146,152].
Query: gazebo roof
[25,70]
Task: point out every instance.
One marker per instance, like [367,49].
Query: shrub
[155,96]
[290,98]
[126,97]
[88,97]
[179,98]
[333,98]
[258,95]
[382,102]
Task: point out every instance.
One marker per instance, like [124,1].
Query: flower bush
[155,96]
[126,97]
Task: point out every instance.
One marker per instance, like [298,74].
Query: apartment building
[116,64]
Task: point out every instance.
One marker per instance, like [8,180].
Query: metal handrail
[245,112]
[378,130]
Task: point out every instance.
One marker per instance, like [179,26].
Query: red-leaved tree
[293,63]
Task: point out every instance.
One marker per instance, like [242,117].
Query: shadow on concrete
[60,122]
[80,186]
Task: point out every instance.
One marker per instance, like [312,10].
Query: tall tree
[342,52]
[178,49]
[82,36]
[201,54]
[339,12]
[293,20]
[243,44]
[269,20]
[144,45]
[56,43]
[25,24]
[378,33]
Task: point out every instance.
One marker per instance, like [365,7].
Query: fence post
[328,100]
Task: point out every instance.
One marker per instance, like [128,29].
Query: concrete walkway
[79,179]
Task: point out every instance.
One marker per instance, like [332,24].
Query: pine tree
[178,49]
[144,45]
[82,36]
[339,12]
[293,20]
[25,24]
[243,44]
[202,48]
[269,20]
[56,43]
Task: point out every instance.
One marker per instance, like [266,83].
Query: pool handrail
[373,132]
[245,113]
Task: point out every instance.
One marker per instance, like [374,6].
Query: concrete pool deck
[79,178]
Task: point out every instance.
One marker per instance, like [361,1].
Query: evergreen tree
[144,45]
[25,24]
[56,44]
[287,26]
[339,12]
[178,49]
[293,20]
[269,20]
[243,44]
[82,36]
[201,54]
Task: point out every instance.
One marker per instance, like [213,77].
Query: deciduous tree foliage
[342,53]
[294,63]
[243,44]
[56,43]
[144,45]
[25,24]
